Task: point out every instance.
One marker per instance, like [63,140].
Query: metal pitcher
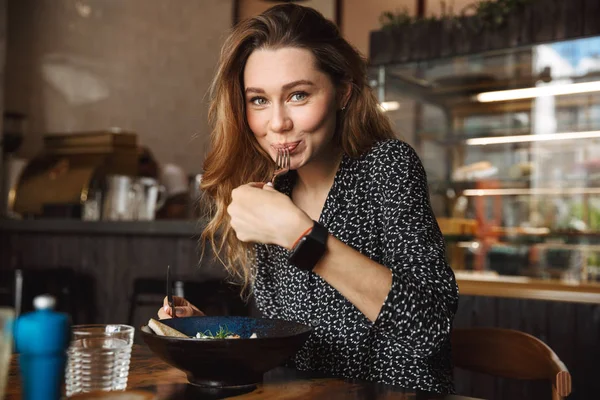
[119,198]
[149,197]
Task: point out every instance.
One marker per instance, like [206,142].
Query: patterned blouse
[379,205]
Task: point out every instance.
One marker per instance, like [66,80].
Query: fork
[282,163]
[170,293]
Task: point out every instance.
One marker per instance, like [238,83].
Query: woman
[346,241]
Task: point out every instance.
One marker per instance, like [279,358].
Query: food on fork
[163,330]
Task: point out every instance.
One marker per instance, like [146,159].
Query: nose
[280,120]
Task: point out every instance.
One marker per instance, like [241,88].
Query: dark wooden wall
[537,22]
[108,259]
[572,330]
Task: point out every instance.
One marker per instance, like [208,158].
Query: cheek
[256,123]
[313,120]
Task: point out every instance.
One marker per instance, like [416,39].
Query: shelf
[475,284]
[515,233]
[563,186]
[460,97]
[182,228]
[460,137]
[459,238]
[463,108]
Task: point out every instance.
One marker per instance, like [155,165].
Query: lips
[290,146]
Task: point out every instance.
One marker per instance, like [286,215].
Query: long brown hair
[235,157]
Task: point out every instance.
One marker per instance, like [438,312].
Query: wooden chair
[511,354]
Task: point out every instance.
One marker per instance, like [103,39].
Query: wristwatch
[310,248]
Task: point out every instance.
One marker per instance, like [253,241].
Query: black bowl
[228,362]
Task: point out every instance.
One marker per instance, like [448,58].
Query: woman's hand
[261,214]
[183,308]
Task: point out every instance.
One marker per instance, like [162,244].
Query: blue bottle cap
[43,331]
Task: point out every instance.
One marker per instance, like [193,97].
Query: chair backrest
[11,289]
[512,354]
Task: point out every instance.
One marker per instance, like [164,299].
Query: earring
[343,108]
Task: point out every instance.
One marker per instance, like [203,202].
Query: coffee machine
[57,182]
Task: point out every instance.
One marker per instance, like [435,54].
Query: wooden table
[149,373]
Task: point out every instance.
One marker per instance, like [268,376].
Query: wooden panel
[110,262]
[569,19]
[587,353]
[539,21]
[591,16]
[572,330]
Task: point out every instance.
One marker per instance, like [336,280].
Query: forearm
[359,279]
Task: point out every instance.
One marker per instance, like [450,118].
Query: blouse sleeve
[422,301]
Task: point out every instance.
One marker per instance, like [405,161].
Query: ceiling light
[532,138]
[538,91]
[389,105]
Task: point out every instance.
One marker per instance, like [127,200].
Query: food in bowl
[220,362]
[163,330]
[222,333]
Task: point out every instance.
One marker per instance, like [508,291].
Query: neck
[318,176]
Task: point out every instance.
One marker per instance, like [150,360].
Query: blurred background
[104,131]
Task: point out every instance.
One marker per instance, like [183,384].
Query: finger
[180,301]
[177,301]
[184,311]
[162,314]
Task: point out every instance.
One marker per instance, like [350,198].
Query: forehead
[271,68]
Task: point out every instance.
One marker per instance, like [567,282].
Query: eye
[258,101]
[299,96]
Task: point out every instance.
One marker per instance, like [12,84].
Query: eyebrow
[285,87]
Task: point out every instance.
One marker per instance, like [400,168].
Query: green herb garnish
[222,333]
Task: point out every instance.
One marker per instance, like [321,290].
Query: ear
[344,93]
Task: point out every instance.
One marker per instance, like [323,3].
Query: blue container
[42,338]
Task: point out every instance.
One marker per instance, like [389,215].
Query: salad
[222,333]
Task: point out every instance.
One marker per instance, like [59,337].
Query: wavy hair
[235,157]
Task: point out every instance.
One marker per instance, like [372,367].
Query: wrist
[310,248]
[297,230]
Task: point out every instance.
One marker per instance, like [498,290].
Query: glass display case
[510,141]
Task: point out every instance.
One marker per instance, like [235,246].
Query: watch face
[307,253]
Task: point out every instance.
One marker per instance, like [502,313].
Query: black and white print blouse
[379,205]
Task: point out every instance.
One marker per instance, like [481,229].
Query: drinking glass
[98,358]
[7,316]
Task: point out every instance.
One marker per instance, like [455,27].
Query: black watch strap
[310,248]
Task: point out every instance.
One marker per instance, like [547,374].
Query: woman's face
[290,103]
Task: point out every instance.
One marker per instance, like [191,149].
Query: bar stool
[214,297]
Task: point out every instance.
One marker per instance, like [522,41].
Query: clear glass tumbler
[7,317]
[98,358]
